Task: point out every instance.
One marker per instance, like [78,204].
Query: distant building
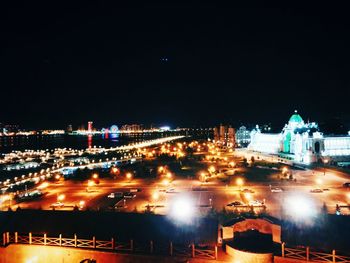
[301,142]
[225,135]
[242,137]
[216,134]
[231,137]
[9,128]
[70,128]
[131,127]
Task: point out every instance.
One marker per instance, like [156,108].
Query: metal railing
[308,255]
[112,245]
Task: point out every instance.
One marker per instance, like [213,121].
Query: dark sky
[63,64]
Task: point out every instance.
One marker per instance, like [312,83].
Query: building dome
[296,118]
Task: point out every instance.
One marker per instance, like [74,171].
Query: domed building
[301,142]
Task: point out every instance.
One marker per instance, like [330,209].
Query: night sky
[181,65]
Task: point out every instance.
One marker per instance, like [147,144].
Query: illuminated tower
[90,126]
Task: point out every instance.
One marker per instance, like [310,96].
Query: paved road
[214,194]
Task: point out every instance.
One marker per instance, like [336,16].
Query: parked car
[115,195]
[235,203]
[57,204]
[129,195]
[248,191]
[276,190]
[256,203]
[316,190]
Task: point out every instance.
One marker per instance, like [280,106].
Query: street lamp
[155,197]
[60,197]
[129,176]
[239,182]
[325,161]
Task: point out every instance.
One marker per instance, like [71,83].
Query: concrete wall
[47,254]
[248,257]
[262,225]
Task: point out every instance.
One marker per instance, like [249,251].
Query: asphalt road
[212,194]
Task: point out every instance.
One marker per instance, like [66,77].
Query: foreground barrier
[308,255]
[151,247]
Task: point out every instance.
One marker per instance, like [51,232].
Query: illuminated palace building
[301,142]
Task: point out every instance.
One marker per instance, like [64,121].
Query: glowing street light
[168,175]
[325,162]
[95,176]
[232,164]
[81,204]
[284,170]
[129,176]
[203,176]
[166,182]
[212,169]
[60,197]
[239,182]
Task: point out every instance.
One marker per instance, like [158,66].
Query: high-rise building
[132,127]
[223,131]
[242,136]
[216,134]
[231,137]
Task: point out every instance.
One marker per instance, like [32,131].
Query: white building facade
[301,142]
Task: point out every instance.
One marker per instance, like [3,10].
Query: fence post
[60,240]
[307,253]
[333,255]
[94,241]
[113,244]
[192,246]
[8,237]
[283,246]
[75,240]
[171,248]
[216,252]
[131,245]
[30,238]
[16,237]
[151,246]
[3,239]
[45,239]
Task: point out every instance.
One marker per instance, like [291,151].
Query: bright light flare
[299,207]
[182,209]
